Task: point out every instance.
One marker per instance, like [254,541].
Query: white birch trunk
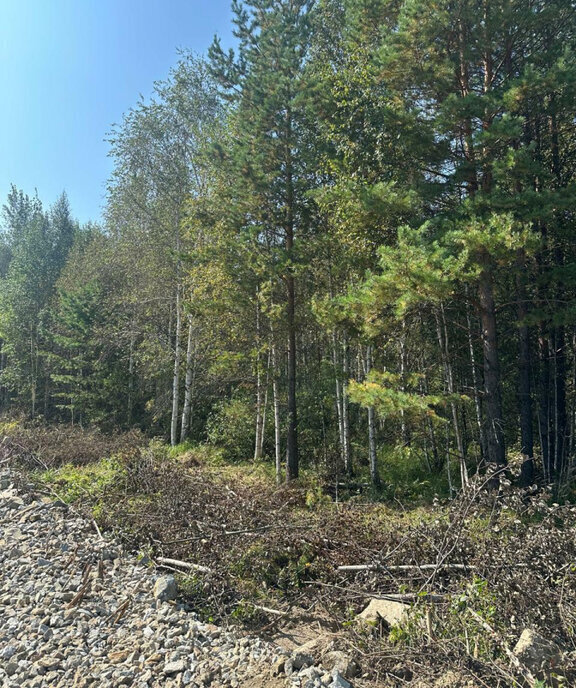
[259,389]
[339,413]
[265,407]
[346,411]
[176,376]
[187,408]
[477,407]
[443,343]
[131,377]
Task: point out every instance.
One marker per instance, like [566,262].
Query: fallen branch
[83,588]
[119,612]
[183,564]
[264,528]
[267,610]
[406,567]
[394,596]
[97,529]
[117,615]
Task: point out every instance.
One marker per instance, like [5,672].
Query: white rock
[535,651]
[393,613]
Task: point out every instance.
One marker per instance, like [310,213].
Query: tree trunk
[338,384]
[277,429]
[560,412]
[259,410]
[495,449]
[292,426]
[259,392]
[445,354]
[373,458]
[346,410]
[544,405]
[176,376]
[292,459]
[403,366]
[455,419]
[130,409]
[32,379]
[3,399]
[475,386]
[187,408]
[524,384]
[260,448]
[558,333]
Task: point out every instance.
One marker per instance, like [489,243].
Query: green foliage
[381,390]
[276,568]
[406,476]
[196,591]
[93,481]
[38,244]
[230,427]
[457,625]
[316,497]
[357,218]
[246,613]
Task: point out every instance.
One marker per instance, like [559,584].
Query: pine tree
[268,160]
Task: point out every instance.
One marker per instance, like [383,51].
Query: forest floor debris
[503,561]
[78,611]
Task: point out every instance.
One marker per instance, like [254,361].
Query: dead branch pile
[503,560]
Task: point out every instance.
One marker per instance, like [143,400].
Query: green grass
[76,482]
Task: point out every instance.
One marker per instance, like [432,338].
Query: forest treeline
[350,238]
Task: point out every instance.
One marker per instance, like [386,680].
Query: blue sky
[70,69]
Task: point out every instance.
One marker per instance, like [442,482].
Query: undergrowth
[281,547]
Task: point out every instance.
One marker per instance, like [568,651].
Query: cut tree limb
[267,610]
[406,567]
[183,565]
[407,597]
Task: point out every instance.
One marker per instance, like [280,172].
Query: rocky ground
[76,611]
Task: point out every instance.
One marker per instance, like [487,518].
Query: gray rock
[165,589]
[342,663]
[535,651]
[176,667]
[187,678]
[46,643]
[8,652]
[317,646]
[310,673]
[14,502]
[5,481]
[11,668]
[301,659]
[109,554]
[339,681]
[288,667]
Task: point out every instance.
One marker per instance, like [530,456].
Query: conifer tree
[265,82]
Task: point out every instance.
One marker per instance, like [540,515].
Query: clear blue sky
[70,69]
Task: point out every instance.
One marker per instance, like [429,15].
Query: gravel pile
[76,612]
